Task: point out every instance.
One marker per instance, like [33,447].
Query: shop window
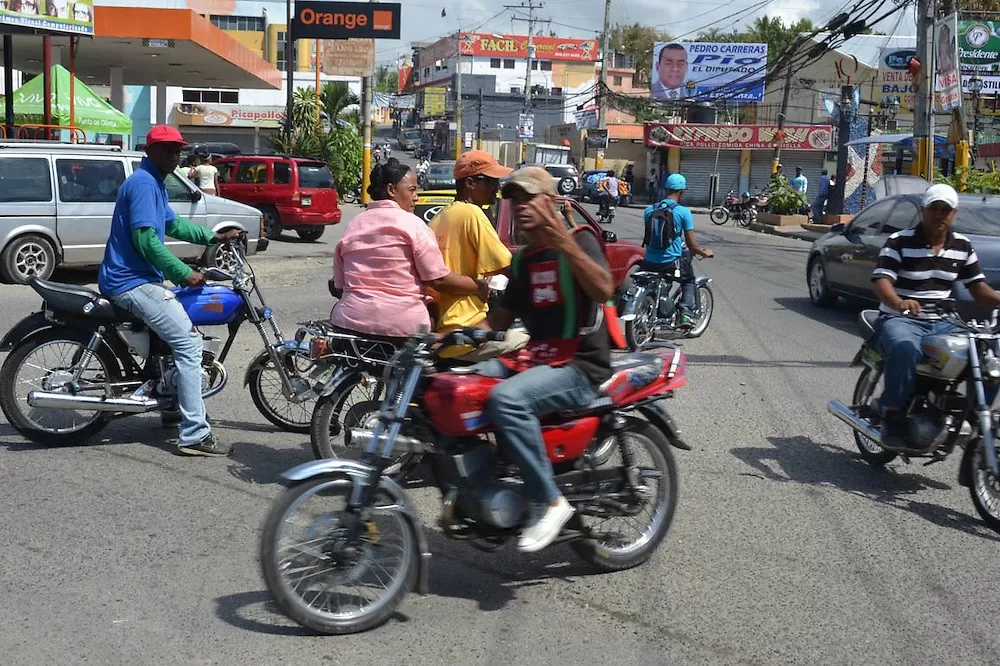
[246,23]
[546,65]
[494,63]
[616,80]
[279,60]
[211,96]
[229,96]
[89,181]
[508,63]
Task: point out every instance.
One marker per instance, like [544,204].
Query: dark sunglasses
[489,180]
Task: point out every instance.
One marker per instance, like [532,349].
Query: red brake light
[296,197]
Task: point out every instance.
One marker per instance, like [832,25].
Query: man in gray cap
[559,282]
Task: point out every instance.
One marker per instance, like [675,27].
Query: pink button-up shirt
[382,262]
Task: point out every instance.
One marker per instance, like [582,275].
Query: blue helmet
[675,182]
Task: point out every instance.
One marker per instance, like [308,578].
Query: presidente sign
[49,15]
[516,46]
[344,20]
[737,137]
[707,70]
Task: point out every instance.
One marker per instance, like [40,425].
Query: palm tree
[336,97]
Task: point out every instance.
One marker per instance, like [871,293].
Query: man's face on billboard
[672,67]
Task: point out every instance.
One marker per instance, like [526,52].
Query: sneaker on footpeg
[546,527]
[209,446]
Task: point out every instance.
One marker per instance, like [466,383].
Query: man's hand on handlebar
[196,279]
[909,306]
[229,235]
[471,336]
[706,254]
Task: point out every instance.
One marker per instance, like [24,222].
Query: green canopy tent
[92,113]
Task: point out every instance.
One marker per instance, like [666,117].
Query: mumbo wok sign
[738,137]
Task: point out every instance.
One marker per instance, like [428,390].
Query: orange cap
[479,163]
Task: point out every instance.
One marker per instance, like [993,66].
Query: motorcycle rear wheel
[864,393]
[985,488]
[380,568]
[609,553]
[57,351]
[639,331]
[719,215]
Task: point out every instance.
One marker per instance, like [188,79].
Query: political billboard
[947,81]
[708,70]
[49,15]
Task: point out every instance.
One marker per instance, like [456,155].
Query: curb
[796,232]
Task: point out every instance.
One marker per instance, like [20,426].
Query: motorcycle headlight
[992,367]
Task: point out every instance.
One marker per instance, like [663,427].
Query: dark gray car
[841,261]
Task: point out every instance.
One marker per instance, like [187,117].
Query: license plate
[307,201]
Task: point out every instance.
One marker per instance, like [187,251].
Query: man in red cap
[470,246]
[136,262]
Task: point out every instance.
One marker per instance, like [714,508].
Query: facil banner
[516,46]
[738,137]
[75,18]
[707,70]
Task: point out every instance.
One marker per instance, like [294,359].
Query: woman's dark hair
[384,175]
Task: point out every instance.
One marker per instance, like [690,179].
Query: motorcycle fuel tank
[944,355]
[210,305]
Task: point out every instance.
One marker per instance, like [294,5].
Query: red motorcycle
[343,544]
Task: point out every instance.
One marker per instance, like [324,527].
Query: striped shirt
[920,273]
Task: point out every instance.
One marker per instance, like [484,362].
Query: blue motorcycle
[80,361]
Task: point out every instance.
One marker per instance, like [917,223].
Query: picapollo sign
[344,20]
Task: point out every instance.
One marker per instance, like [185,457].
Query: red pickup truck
[623,256]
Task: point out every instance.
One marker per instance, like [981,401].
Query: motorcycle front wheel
[624,538]
[320,577]
[706,306]
[865,394]
[985,488]
[719,215]
[267,393]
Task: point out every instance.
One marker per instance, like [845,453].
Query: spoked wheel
[706,305]
[866,392]
[745,219]
[621,538]
[719,215]
[639,331]
[321,578]
[985,488]
[48,363]
[355,404]
[268,394]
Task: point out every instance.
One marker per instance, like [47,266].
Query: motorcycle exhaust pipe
[88,403]
[362,438]
[847,415]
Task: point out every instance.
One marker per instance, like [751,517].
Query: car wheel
[310,233]
[566,186]
[272,222]
[27,257]
[819,288]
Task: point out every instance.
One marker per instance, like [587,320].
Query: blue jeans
[899,339]
[514,406]
[163,314]
[817,208]
[688,304]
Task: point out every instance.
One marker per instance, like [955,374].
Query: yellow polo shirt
[470,246]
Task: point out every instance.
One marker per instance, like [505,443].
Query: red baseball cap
[164,134]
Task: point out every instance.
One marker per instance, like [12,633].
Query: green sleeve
[183,230]
[150,247]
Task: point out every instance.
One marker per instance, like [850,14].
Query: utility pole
[366,118]
[458,86]
[602,120]
[836,203]
[479,122]
[781,121]
[531,55]
[289,66]
[923,82]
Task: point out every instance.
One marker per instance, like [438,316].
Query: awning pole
[8,83]
[72,86]
[47,83]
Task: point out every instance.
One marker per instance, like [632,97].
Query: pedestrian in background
[204,175]
[651,182]
[822,194]
[799,183]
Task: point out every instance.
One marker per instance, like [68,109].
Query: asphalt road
[786,547]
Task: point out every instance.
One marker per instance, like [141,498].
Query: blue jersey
[683,221]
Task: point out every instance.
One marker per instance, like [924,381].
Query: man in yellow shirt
[471,247]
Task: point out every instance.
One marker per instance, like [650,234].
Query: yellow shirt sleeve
[493,255]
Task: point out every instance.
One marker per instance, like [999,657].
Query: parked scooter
[80,360]
[344,544]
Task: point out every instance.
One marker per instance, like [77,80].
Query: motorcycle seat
[77,300]
[632,373]
[866,322]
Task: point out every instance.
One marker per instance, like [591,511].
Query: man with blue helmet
[669,227]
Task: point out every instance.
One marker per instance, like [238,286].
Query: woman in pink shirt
[386,259]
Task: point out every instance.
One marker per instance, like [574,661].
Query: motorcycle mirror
[610,236]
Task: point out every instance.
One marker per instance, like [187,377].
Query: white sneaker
[545,528]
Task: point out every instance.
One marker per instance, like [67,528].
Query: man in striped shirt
[916,270]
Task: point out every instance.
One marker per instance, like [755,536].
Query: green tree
[386,79]
[336,97]
[772,31]
[637,40]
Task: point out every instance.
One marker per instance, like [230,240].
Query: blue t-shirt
[141,202]
[800,184]
[682,219]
